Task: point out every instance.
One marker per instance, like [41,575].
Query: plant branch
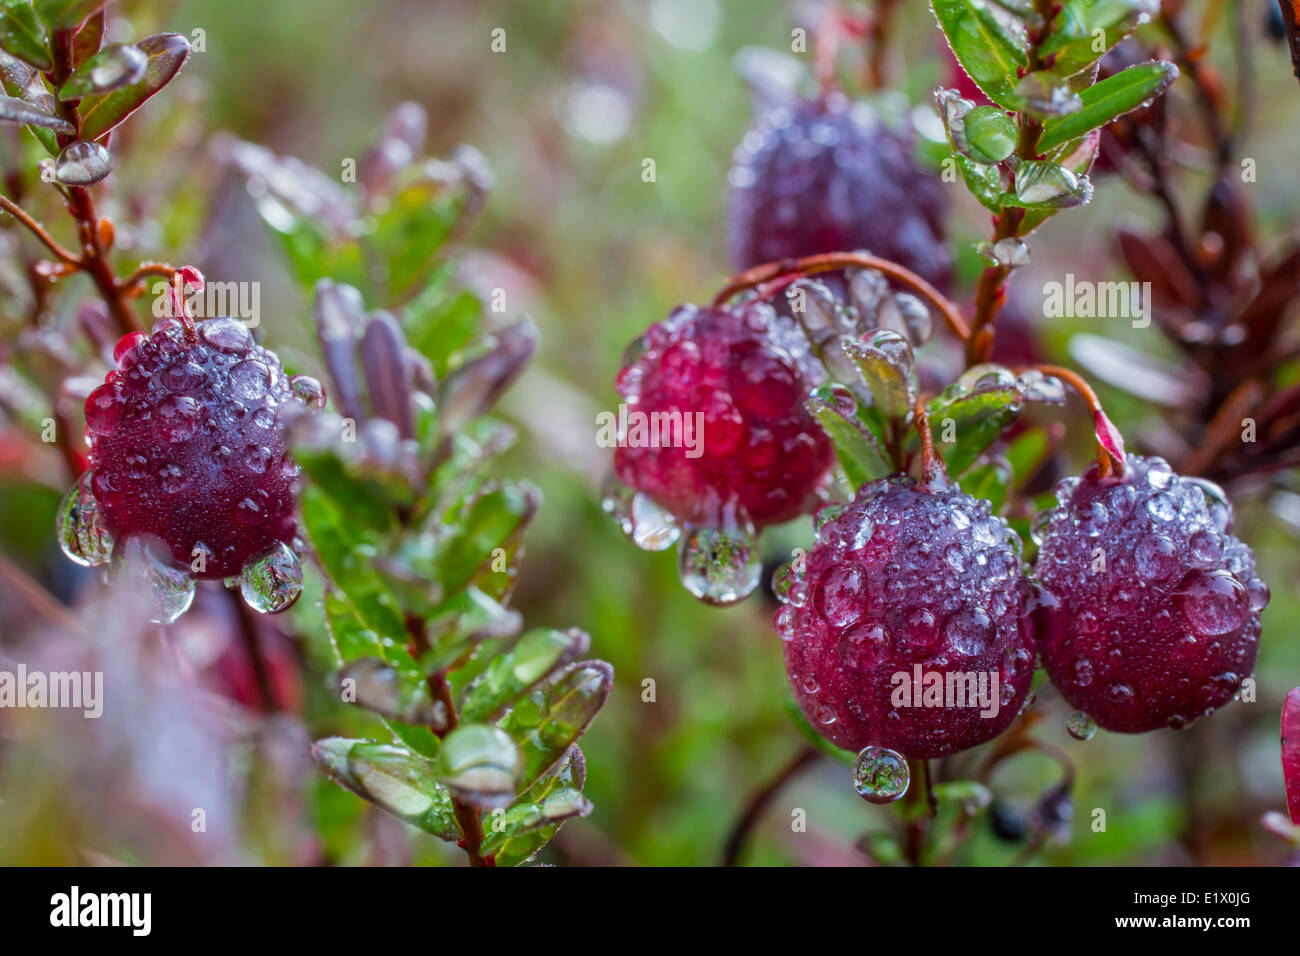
[1107,463]
[790,269]
[759,801]
[38,230]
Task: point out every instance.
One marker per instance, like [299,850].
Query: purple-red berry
[715,401]
[827,175]
[188,446]
[1159,616]
[907,626]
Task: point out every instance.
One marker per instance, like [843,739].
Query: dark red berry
[746,371]
[1160,607]
[908,585]
[1291,752]
[188,446]
[827,175]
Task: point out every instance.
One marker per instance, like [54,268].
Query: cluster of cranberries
[1146,610]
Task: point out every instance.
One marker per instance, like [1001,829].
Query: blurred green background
[584,92]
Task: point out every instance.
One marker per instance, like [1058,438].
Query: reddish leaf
[1153,259]
[1291,752]
[167,54]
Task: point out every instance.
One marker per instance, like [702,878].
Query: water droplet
[788,585]
[916,317]
[227,335]
[308,390]
[784,621]
[249,380]
[178,417]
[169,587]
[880,775]
[1213,602]
[1081,726]
[1046,389]
[1217,502]
[1119,693]
[1047,184]
[1038,525]
[103,411]
[1162,507]
[1083,672]
[271,582]
[82,164]
[1259,594]
[80,527]
[1156,557]
[841,594]
[719,567]
[825,516]
[117,66]
[969,631]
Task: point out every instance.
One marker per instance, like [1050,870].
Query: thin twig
[758,803]
[38,230]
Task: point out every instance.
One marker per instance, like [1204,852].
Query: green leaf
[494,519]
[167,53]
[1085,29]
[988,135]
[515,835]
[977,418]
[359,498]
[990,481]
[15,110]
[393,778]
[1108,100]
[461,623]
[984,182]
[991,50]
[440,322]
[22,35]
[550,719]
[537,654]
[112,68]
[22,82]
[859,453]
[66,14]
[480,764]
[888,368]
[348,558]
[411,230]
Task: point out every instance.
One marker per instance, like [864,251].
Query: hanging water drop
[82,164]
[880,775]
[719,567]
[308,390]
[1081,726]
[168,588]
[271,582]
[80,526]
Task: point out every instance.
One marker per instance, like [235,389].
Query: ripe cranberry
[1160,605]
[188,446]
[827,175]
[906,577]
[1291,752]
[743,373]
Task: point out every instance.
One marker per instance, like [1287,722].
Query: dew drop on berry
[103,411]
[249,380]
[826,515]
[783,621]
[784,580]
[1259,594]
[1205,548]
[719,567]
[80,527]
[178,417]
[1081,726]
[920,630]
[1156,557]
[1217,501]
[1162,506]
[969,631]
[182,377]
[1039,524]
[126,344]
[1083,672]
[227,335]
[841,593]
[880,775]
[862,644]
[272,581]
[652,528]
[1213,602]
[1119,693]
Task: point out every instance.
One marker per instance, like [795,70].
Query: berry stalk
[1110,445]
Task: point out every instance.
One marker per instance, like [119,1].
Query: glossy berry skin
[746,371]
[906,577]
[188,445]
[827,175]
[1159,605]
